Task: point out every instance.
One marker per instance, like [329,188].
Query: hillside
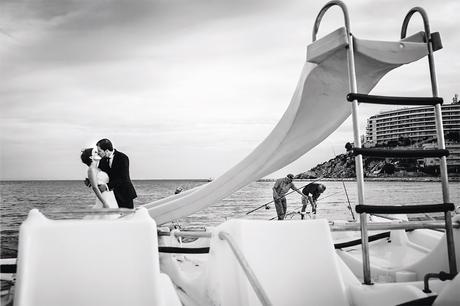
[343,166]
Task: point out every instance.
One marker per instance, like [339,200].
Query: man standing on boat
[312,191]
[280,189]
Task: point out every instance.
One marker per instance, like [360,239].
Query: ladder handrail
[434,88]
[323,11]
[439,129]
[426,23]
[353,89]
[357,140]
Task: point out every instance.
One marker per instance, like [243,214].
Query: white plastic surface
[405,276]
[294,261]
[91,262]
[384,294]
[450,295]
[318,107]
[402,254]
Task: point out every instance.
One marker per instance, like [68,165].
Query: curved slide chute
[318,107]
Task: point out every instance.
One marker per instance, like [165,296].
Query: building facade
[415,124]
[417,128]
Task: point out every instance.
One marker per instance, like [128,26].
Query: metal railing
[432,43]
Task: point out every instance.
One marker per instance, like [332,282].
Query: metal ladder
[433,43]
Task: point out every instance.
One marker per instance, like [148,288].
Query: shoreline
[374,179]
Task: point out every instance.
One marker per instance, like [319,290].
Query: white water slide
[318,107]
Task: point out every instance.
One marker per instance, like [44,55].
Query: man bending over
[312,191]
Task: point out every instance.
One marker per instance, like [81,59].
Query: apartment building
[414,123]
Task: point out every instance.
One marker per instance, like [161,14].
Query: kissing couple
[108,176]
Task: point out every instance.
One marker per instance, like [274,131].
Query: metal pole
[439,125]
[441,145]
[259,290]
[353,88]
[193,234]
[443,162]
[450,244]
[365,249]
[439,131]
[379,226]
[358,161]
[357,140]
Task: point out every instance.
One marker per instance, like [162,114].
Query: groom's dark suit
[119,180]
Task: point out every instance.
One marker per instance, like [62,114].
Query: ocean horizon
[19,197]
[76,180]
[372,178]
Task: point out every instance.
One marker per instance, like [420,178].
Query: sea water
[19,197]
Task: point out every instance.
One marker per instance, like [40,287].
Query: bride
[97,177]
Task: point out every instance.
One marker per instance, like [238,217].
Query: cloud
[199,82]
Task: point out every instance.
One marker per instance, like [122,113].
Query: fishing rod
[348,200]
[259,207]
[345,189]
[294,212]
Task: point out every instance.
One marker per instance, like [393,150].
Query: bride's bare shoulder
[92,170]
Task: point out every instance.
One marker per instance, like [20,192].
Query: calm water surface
[19,197]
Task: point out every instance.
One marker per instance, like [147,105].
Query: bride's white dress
[108,196]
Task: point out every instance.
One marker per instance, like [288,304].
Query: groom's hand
[87,182]
[102,188]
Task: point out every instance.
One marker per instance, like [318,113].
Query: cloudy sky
[187,88]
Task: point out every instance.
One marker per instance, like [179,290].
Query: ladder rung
[406,209]
[400,153]
[8,268]
[359,241]
[179,250]
[394,100]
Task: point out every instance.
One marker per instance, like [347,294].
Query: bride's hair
[86,155]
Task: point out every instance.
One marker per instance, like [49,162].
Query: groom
[116,165]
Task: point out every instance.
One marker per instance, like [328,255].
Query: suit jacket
[119,179]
